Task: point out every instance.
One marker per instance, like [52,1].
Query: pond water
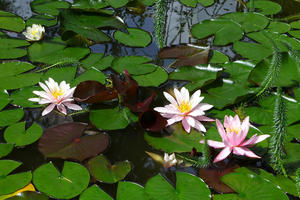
[129,143]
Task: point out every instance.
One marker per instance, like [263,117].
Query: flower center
[34,32]
[236,130]
[57,93]
[185,107]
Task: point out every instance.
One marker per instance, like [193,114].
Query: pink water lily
[233,138]
[60,96]
[188,110]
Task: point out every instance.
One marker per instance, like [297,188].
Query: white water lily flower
[57,95]
[169,160]
[34,33]
[188,110]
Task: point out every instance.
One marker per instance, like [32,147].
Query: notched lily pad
[103,171]
[68,141]
[134,38]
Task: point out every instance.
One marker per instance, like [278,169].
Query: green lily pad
[89,4]
[251,186]
[295,34]
[50,7]
[17,135]
[55,51]
[117,3]
[5,149]
[193,3]
[13,182]
[196,76]
[67,184]
[225,31]
[11,22]
[158,188]
[4,99]
[279,27]
[14,68]
[179,141]
[134,38]
[9,47]
[249,21]
[29,196]
[135,65]
[218,57]
[19,81]
[226,197]
[266,7]
[94,193]
[103,171]
[112,119]
[98,61]
[295,24]
[128,190]
[90,75]
[154,79]
[8,117]
[45,20]
[20,97]
[60,74]
[291,161]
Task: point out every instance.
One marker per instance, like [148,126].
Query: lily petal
[243,151]
[48,109]
[72,106]
[214,144]
[255,139]
[223,154]
[174,119]
[186,125]
[170,98]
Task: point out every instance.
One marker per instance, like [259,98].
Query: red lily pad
[152,121]
[67,141]
[186,55]
[212,177]
[93,92]
[140,106]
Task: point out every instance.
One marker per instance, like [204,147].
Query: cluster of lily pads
[116,93]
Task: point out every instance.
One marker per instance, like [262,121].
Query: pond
[149,99]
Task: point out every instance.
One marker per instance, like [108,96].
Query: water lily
[169,160]
[34,33]
[233,138]
[188,110]
[60,96]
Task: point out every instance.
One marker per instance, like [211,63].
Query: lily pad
[29,196]
[17,135]
[9,47]
[20,97]
[19,81]
[89,4]
[134,38]
[68,142]
[103,171]
[253,187]
[60,74]
[266,7]
[112,119]
[50,7]
[67,184]
[128,190]
[45,20]
[154,79]
[90,75]
[5,149]
[55,51]
[98,61]
[4,99]
[8,117]
[94,193]
[158,188]
[11,22]
[279,27]
[249,21]
[225,31]
[218,57]
[117,3]
[14,68]
[179,141]
[13,182]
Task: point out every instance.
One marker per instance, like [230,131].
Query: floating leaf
[90,75]
[50,7]
[19,81]
[112,119]
[14,68]
[14,182]
[89,4]
[11,22]
[45,20]
[158,188]
[17,135]
[266,7]
[68,142]
[94,192]
[103,171]
[218,57]
[29,196]
[179,141]
[97,60]
[93,92]
[9,47]
[188,55]
[278,27]
[20,97]
[28,187]
[117,3]
[253,187]
[8,117]
[67,184]
[249,21]
[55,51]
[5,149]
[134,38]
[152,121]
[4,99]
[225,31]
[154,79]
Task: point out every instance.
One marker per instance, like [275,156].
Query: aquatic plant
[34,33]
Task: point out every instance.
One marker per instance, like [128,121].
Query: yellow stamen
[56,93]
[185,107]
[34,32]
[236,130]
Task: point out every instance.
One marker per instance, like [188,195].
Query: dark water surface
[129,144]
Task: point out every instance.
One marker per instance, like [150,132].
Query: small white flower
[34,33]
[57,95]
[169,161]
